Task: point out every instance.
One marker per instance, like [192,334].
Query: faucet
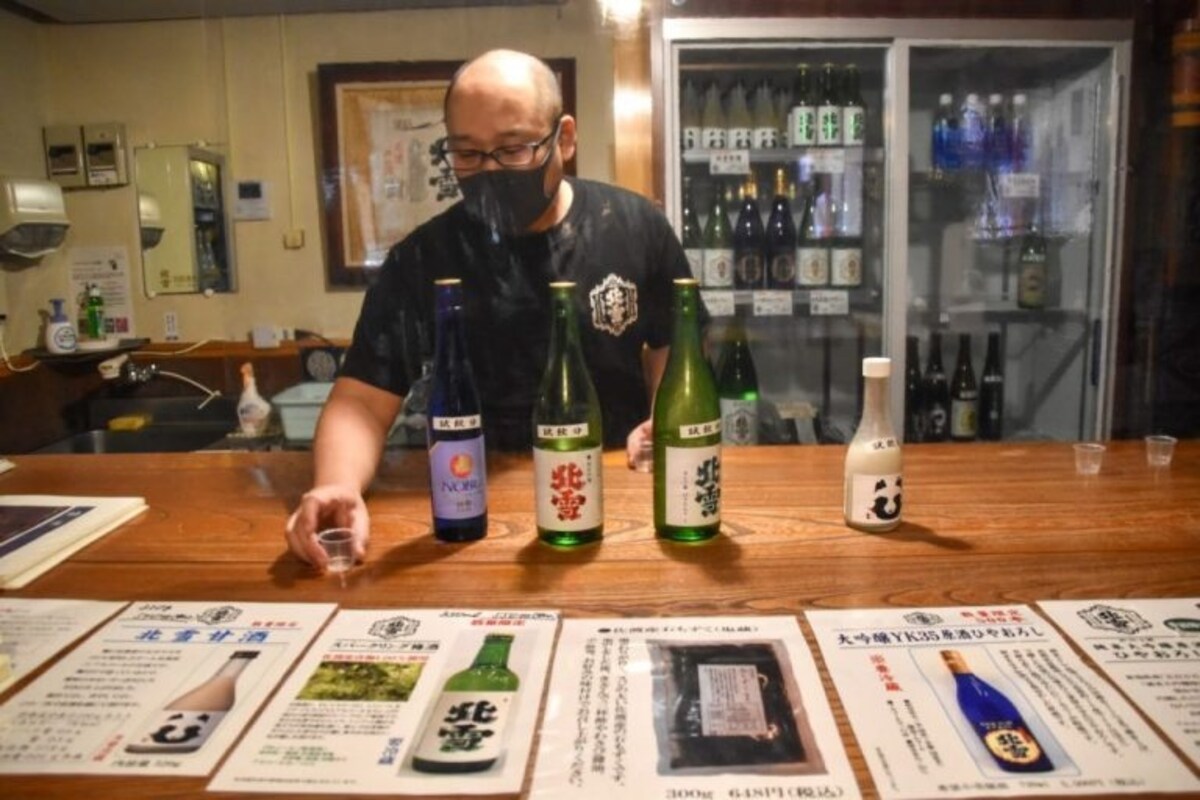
[128,372]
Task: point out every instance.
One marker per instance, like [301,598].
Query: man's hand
[638,439]
[324,507]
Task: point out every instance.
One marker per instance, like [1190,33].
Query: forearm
[350,437]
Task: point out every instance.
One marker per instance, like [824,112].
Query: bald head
[507,74]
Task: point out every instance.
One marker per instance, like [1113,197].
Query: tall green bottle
[737,387]
[567,437]
[465,732]
[687,432]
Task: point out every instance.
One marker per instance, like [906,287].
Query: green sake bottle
[687,432]
[567,437]
[465,732]
[737,387]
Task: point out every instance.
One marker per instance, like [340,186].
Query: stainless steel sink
[165,439]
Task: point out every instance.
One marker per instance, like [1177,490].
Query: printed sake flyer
[394,701]
[1151,649]
[985,702]
[162,689]
[33,630]
[721,708]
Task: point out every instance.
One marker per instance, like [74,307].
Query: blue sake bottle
[457,466]
[995,720]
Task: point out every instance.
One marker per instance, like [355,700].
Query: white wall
[232,82]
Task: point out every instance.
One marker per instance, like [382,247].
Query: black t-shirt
[618,249]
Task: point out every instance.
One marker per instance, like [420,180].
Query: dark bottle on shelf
[854,111]
[458,471]
[748,240]
[802,119]
[991,393]
[829,109]
[718,245]
[1033,274]
[781,238]
[945,135]
[935,391]
[812,251]
[964,395]
[914,412]
[995,720]
[691,236]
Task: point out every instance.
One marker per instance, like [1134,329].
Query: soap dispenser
[253,411]
[60,333]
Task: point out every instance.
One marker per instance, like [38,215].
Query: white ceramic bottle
[873,464]
[253,411]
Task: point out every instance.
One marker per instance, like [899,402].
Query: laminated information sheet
[403,702]
[985,702]
[33,630]
[163,689]
[1151,649]
[725,708]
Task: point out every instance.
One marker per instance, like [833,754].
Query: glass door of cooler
[775,183]
[1012,153]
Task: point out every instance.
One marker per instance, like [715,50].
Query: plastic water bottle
[945,136]
[998,142]
[971,133]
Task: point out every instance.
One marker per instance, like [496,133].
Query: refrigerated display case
[1012,235]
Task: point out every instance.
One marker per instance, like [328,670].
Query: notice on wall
[403,702]
[725,707]
[163,689]
[1151,649]
[108,268]
[32,630]
[986,702]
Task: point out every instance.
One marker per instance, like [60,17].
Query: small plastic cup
[643,459]
[338,544]
[1088,457]
[1159,450]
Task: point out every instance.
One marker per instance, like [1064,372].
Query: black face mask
[507,200]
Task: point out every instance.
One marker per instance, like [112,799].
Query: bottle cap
[995,99]
[945,99]
[1018,99]
[877,367]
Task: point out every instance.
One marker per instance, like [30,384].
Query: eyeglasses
[509,156]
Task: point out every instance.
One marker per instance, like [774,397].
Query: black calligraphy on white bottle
[187,722]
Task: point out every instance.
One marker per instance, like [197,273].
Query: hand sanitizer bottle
[253,411]
[60,333]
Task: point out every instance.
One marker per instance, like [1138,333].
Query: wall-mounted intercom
[104,154]
[64,155]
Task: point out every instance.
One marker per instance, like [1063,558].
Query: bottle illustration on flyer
[188,721]
[993,718]
[465,731]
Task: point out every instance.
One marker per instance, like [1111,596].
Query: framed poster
[380,123]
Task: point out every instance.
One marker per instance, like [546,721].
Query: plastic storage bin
[299,408]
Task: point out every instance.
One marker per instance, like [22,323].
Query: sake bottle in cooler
[567,440]
[873,473]
[691,236]
[687,432]
[458,471]
[718,245]
[737,386]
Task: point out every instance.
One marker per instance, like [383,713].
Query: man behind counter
[521,224]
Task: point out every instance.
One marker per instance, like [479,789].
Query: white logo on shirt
[614,304]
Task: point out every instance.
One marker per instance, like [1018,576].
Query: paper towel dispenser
[33,216]
[150,219]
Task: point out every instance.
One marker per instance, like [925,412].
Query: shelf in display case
[775,155]
[1006,310]
[828,301]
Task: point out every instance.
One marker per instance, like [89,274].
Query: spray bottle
[60,333]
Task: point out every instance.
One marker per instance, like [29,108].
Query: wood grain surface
[984,523]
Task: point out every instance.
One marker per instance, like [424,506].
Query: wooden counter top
[984,523]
